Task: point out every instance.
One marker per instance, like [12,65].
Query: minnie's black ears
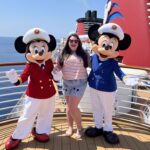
[52,43]
[93,32]
[125,43]
[20,46]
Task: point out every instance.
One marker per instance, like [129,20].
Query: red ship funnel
[83,24]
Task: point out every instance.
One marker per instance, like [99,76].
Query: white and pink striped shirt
[73,68]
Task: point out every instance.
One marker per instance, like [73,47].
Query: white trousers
[42,109]
[102,106]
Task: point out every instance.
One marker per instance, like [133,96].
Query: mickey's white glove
[12,76]
[130,81]
[57,74]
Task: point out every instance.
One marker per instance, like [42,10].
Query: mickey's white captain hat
[36,33]
[112,28]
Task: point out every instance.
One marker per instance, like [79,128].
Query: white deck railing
[132,103]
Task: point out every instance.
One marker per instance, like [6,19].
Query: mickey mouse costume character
[37,45]
[109,39]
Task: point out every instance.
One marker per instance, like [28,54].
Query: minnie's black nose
[41,53]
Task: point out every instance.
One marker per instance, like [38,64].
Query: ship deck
[132,136]
[131,117]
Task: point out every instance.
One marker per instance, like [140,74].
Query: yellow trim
[124,78]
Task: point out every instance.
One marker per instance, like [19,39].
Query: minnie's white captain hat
[112,28]
[36,33]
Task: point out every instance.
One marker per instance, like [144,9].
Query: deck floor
[132,136]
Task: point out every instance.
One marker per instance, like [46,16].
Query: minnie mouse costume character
[37,45]
[109,39]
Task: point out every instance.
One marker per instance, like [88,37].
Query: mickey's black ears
[52,43]
[20,46]
[125,43]
[93,32]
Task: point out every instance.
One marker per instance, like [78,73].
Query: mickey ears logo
[109,15]
[36,31]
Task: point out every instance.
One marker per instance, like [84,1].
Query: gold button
[41,87]
[114,27]
[40,81]
[36,31]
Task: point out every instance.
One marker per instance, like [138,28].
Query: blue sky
[58,17]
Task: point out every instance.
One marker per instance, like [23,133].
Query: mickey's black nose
[107,47]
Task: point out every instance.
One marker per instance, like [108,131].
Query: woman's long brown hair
[66,52]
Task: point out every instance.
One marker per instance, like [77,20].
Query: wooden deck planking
[140,143]
[66,141]
[100,143]
[90,143]
[123,143]
[24,145]
[132,133]
[132,137]
[50,143]
[57,144]
[2,144]
[145,141]
[82,144]
[28,143]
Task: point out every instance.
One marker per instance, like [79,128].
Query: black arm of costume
[17,83]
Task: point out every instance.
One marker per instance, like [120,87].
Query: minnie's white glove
[130,81]
[12,76]
[57,74]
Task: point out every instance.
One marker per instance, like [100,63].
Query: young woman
[73,62]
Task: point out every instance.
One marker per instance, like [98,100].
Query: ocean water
[8,52]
